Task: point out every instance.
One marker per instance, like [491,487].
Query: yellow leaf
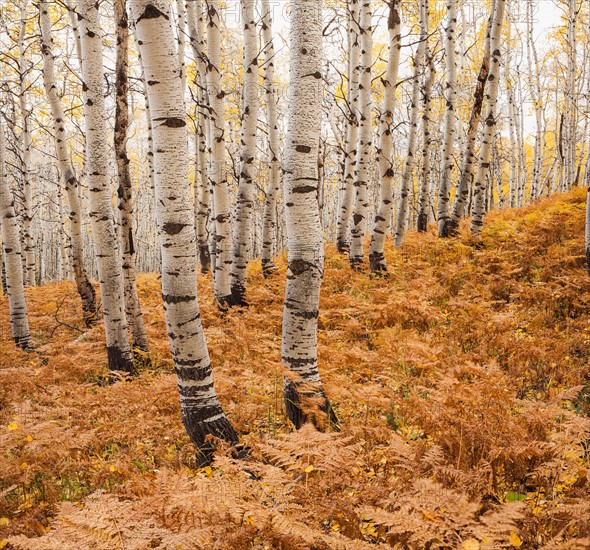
[3,543]
[112,468]
[4,522]
[308,469]
[30,438]
[515,540]
[13,426]
[470,544]
[24,465]
[248,520]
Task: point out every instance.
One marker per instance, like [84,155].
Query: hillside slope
[457,380]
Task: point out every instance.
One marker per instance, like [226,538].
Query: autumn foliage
[461,382]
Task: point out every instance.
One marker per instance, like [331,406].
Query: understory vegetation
[461,382]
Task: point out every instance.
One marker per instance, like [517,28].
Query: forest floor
[461,382]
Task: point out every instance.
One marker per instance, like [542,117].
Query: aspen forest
[294,274]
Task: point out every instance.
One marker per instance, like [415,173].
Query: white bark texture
[305,399]
[245,200]
[361,183]
[15,288]
[66,170]
[108,256]
[201,410]
[385,148]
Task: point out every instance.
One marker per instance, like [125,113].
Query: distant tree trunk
[513,179]
[217,171]
[385,149]
[490,122]
[361,184]
[305,399]
[181,34]
[450,119]
[245,200]
[108,257]
[125,190]
[15,289]
[424,203]
[466,173]
[407,187]
[269,222]
[201,411]
[66,170]
[349,175]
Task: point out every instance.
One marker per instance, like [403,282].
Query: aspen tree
[305,399]
[490,120]
[11,249]
[272,189]
[66,170]
[125,189]
[201,411]
[347,189]
[406,186]
[385,148]
[361,183]
[245,200]
[108,256]
[181,39]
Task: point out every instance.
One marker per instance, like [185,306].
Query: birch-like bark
[402,210]
[26,144]
[385,148]
[125,189]
[490,121]
[181,39]
[66,170]
[108,256]
[269,221]
[201,410]
[305,399]
[347,189]
[469,157]
[15,288]
[450,130]
[513,174]
[361,183]
[245,200]
[217,171]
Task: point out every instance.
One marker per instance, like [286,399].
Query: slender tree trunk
[217,171]
[361,184]
[385,149]
[201,411]
[108,257]
[15,288]
[513,178]
[305,399]
[490,121]
[181,34]
[274,180]
[402,210]
[125,190]
[245,201]
[347,190]
[450,119]
[67,174]
[469,158]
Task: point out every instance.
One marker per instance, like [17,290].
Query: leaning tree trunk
[66,170]
[201,411]
[349,174]
[269,220]
[385,149]
[450,119]
[361,184]
[469,157]
[217,171]
[305,399]
[490,122]
[108,257]
[125,190]
[245,200]
[15,288]
[402,209]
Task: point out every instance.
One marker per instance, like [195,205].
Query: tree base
[304,406]
[342,246]
[268,268]
[204,259]
[377,263]
[119,362]
[356,263]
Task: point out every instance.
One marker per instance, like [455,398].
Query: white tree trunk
[305,399]
[108,256]
[245,201]
[201,410]
[361,184]
[66,170]
[385,149]
[15,289]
